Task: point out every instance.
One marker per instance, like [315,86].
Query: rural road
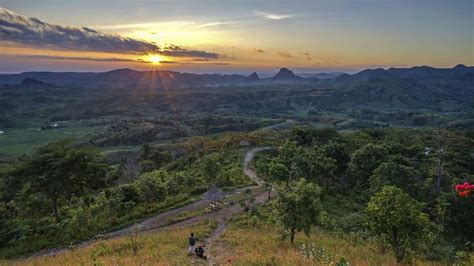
[161,221]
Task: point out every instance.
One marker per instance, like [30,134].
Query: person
[200,252]
[192,242]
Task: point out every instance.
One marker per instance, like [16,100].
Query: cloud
[36,33]
[285,54]
[112,59]
[272,16]
[175,50]
[167,62]
[306,55]
[168,24]
[259,51]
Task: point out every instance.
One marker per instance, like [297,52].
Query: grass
[168,247]
[248,243]
[244,242]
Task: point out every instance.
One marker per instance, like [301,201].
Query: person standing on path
[192,242]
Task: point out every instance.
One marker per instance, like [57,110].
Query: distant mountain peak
[121,70]
[253,77]
[285,73]
[460,66]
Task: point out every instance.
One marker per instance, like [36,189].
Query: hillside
[146,216]
[111,109]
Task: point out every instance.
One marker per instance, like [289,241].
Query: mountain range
[123,78]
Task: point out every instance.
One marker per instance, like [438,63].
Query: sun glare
[154,59]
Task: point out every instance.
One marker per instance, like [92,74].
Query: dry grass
[157,248]
[262,245]
[241,244]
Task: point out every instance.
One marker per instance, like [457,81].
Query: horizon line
[295,70]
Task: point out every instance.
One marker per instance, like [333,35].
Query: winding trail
[259,198]
[161,221]
[246,166]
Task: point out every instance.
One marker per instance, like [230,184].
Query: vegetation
[64,192]
[380,184]
[244,242]
[297,208]
[398,219]
[33,112]
[340,189]
[151,249]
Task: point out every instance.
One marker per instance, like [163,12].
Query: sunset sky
[234,36]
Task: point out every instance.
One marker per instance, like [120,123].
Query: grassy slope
[167,247]
[243,243]
[260,244]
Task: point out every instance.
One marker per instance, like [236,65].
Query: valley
[144,162]
[103,111]
[263,133]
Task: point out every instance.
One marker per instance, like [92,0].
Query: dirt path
[260,197]
[161,221]
[246,166]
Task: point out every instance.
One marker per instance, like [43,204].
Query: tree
[297,207]
[365,160]
[309,136]
[151,158]
[338,152]
[210,168]
[396,171]
[322,167]
[294,159]
[61,170]
[398,220]
[276,172]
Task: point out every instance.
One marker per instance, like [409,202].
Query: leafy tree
[458,221]
[398,172]
[398,220]
[61,170]
[151,159]
[277,172]
[302,136]
[365,160]
[294,158]
[338,152]
[150,189]
[297,207]
[322,167]
[210,168]
[450,154]
[309,136]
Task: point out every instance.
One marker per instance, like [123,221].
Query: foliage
[396,171]
[152,158]
[398,220]
[365,160]
[60,171]
[408,159]
[297,207]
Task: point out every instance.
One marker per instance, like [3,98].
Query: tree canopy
[297,207]
[397,219]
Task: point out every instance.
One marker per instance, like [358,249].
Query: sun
[154,59]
